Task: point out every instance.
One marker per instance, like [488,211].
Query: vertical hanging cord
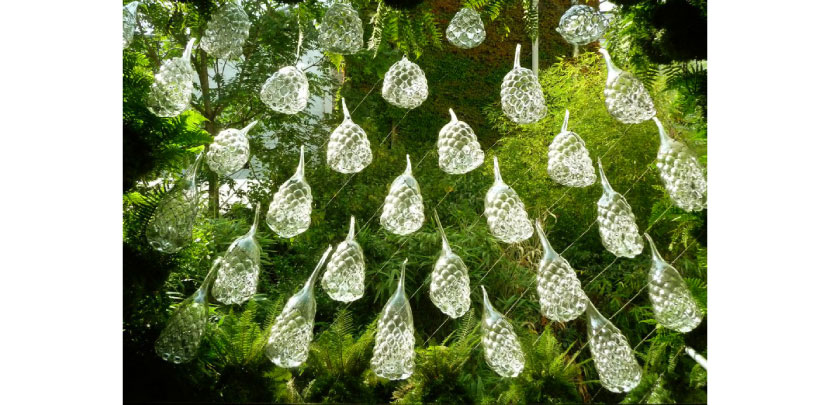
[299,37]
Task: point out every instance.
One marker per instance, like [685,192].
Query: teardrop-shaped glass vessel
[681,173]
[569,162]
[345,272]
[617,225]
[405,85]
[403,209]
[393,356]
[505,211]
[616,365]
[172,89]
[458,149]
[292,331]
[341,30]
[229,151]
[466,30]
[626,98]
[226,32]
[238,275]
[449,287]
[290,211]
[522,99]
[674,306]
[129,20]
[286,91]
[560,293]
[581,25]
[502,350]
[348,148]
[171,226]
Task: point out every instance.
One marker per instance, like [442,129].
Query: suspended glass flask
[449,287]
[521,94]
[226,32]
[617,225]
[458,149]
[393,356]
[569,162]
[405,85]
[581,25]
[674,306]
[345,272]
[286,91]
[348,148]
[129,23]
[626,98]
[179,340]
[229,151]
[238,275]
[403,209]
[171,226]
[505,211]
[290,211]
[501,346]
[466,30]
[170,93]
[293,328]
[341,30]
[560,293]
[616,365]
[681,173]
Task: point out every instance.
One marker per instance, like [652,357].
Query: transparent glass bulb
[341,30]
[129,22]
[405,85]
[521,94]
[290,211]
[171,226]
[449,287]
[393,356]
[286,91]
[348,148]
[502,350]
[616,365]
[560,293]
[617,225]
[505,211]
[403,209]
[581,25]
[345,272]
[569,162]
[466,30]
[681,173]
[172,88]
[238,275]
[626,98]
[229,151]
[674,306]
[226,32]
[458,149]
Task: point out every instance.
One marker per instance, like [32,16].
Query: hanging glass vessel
[458,149]
[405,85]
[505,211]
[348,148]
[229,151]
[449,287]
[129,22]
[403,209]
[293,328]
[226,32]
[341,30]
[681,173]
[581,25]
[345,272]
[617,225]
[521,94]
[616,365]
[501,346]
[173,86]
[171,226]
[569,162]
[673,304]
[286,91]
[179,340]
[239,273]
[466,30]
[394,354]
[290,211]
[626,98]
[560,292]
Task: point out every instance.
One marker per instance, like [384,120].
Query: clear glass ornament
[674,306]
[521,94]
[560,293]
[348,149]
[238,275]
[616,365]
[129,23]
[286,91]
[581,25]
[393,356]
[290,211]
[458,149]
[171,226]
[449,287]
[505,211]
[293,328]
[617,225]
[502,350]
[626,98]
[341,30]
[229,151]
[226,32]
[569,162]
[345,272]
[681,173]
[172,89]
[179,340]
[403,209]
[405,85]
[466,30]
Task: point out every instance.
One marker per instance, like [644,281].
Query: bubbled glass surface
[466,30]
[229,151]
[615,362]
[346,271]
[449,287]
[348,148]
[393,356]
[581,25]
[681,173]
[172,88]
[626,98]
[405,85]
[290,211]
[505,211]
[286,91]
[238,275]
[341,30]
[521,95]
[560,293]
[129,23]
[617,225]
[226,32]
[171,226]
[569,162]
[502,351]
[403,208]
[674,306]
[458,149]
